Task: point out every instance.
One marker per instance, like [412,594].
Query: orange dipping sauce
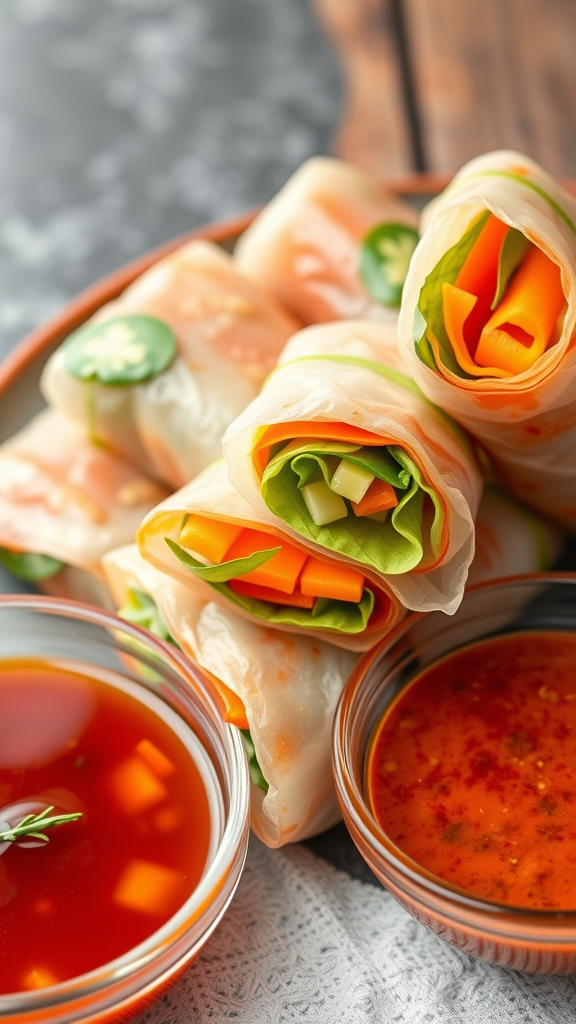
[106,882]
[472,770]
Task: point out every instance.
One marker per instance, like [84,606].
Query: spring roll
[332,245]
[158,374]
[242,559]
[280,690]
[511,540]
[345,452]
[488,317]
[63,504]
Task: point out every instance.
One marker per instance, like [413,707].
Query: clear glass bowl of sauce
[455,766]
[117,732]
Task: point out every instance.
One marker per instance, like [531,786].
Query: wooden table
[432,83]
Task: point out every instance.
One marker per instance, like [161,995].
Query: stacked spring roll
[344,452]
[488,320]
[332,245]
[280,690]
[63,503]
[206,535]
[158,374]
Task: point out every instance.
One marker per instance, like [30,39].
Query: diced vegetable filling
[290,577]
[365,501]
[492,304]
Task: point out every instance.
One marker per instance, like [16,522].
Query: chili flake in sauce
[472,770]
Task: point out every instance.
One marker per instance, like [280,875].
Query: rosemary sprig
[30,823]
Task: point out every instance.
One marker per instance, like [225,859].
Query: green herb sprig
[29,824]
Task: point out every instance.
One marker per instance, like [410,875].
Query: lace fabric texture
[304,942]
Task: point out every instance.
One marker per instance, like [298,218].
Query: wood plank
[496,74]
[373,132]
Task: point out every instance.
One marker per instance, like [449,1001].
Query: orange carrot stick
[210,538]
[331,579]
[280,572]
[378,497]
[521,327]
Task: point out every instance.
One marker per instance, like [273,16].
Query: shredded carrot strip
[304,429]
[456,306]
[478,277]
[521,327]
[378,497]
[233,710]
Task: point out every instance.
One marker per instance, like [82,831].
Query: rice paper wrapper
[211,494]
[304,246]
[353,373]
[511,540]
[289,686]
[62,496]
[526,422]
[229,334]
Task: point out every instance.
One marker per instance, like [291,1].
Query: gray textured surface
[126,122]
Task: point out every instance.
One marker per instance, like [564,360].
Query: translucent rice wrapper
[62,496]
[289,686]
[511,540]
[526,422]
[229,334]
[211,494]
[339,372]
[304,245]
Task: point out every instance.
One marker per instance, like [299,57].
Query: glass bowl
[535,941]
[95,641]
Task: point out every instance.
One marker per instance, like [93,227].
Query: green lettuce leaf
[142,610]
[511,254]
[339,616]
[226,570]
[255,769]
[393,547]
[429,317]
[26,565]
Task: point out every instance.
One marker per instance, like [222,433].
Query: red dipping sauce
[472,770]
[106,882]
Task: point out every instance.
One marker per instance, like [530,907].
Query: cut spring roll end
[491,306]
[276,581]
[352,492]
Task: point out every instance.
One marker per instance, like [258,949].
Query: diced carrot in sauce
[521,327]
[39,977]
[168,819]
[295,600]
[135,786]
[147,888]
[210,538]
[157,761]
[280,572]
[331,579]
[378,497]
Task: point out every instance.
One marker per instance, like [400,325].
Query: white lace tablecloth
[304,942]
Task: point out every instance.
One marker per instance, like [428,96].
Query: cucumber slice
[323,505]
[351,481]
